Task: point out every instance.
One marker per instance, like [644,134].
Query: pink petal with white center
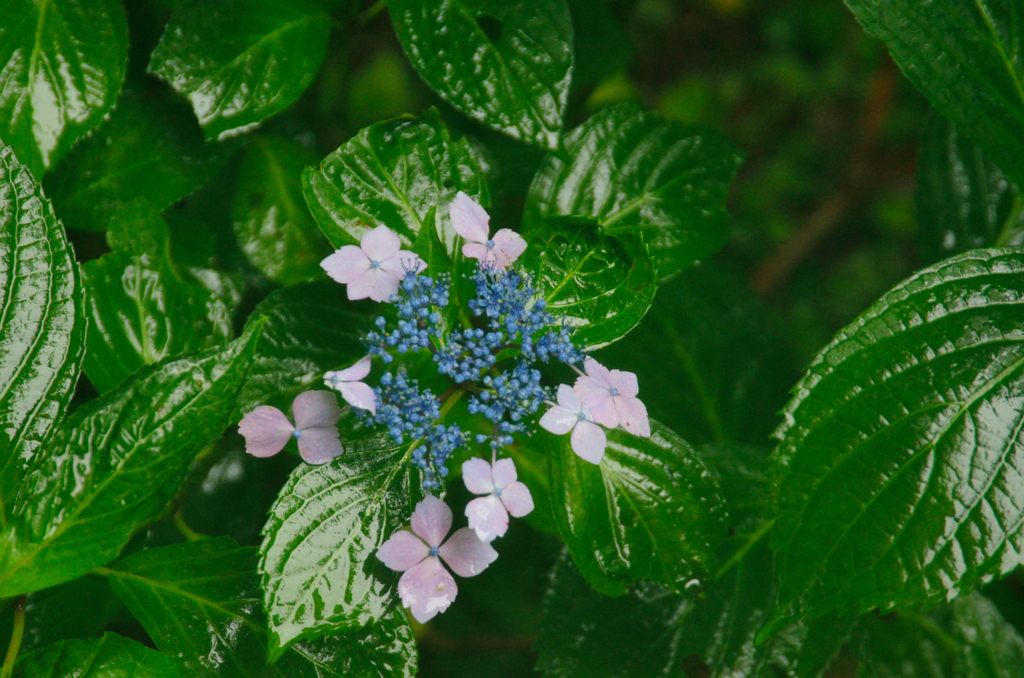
[598,372]
[402,550]
[359,395]
[266,431]
[588,442]
[625,382]
[315,408]
[508,246]
[504,473]
[346,264]
[427,589]
[517,499]
[476,473]
[318,445]
[469,219]
[381,243]
[633,416]
[487,518]
[431,520]
[357,372]
[375,284]
[472,250]
[466,554]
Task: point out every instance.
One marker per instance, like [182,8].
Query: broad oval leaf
[114,464]
[241,61]
[967,57]
[658,185]
[401,173]
[62,63]
[650,510]
[901,451]
[507,64]
[963,199]
[200,602]
[42,323]
[317,566]
[271,221]
[110,656]
[589,281]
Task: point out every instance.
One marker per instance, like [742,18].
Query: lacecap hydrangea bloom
[491,352]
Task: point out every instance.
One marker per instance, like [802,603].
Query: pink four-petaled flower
[375,268]
[611,397]
[349,382]
[426,587]
[472,222]
[588,440]
[267,430]
[488,515]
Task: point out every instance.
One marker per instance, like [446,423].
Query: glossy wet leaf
[110,656]
[968,639]
[650,510]
[589,281]
[114,464]
[271,220]
[317,568]
[401,173]
[506,64]
[967,57]
[241,61]
[658,186]
[142,308]
[42,325]
[963,199]
[149,152]
[61,66]
[900,453]
[200,602]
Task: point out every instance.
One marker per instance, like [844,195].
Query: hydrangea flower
[472,222]
[375,268]
[426,587]
[588,440]
[611,397]
[267,430]
[505,496]
[349,383]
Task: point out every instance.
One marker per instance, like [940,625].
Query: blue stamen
[296,434]
[434,551]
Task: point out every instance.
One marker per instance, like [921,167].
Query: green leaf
[967,639]
[650,509]
[967,57]
[105,174]
[963,200]
[709,358]
[114,464]
[111,656]
[900,453]
[507,64]
[141,308]
[42,325]
[199,601]
[241,61]
[657,185]
[401,173]
[81,608]
[271,220]
[589,281]
[317,566]
[61,66]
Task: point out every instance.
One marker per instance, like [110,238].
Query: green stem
[1012,223]
[371,12]
[742,552]
[16,635]
[184,528]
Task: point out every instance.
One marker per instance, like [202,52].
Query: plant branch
[17,632]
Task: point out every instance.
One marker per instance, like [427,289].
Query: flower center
[434,551]
[334,380]
[614,391]
[490,244]
[580,416]
[497,493]
[374,264]
[296,434]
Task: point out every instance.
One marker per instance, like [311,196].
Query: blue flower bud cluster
[417,302]
[507,400]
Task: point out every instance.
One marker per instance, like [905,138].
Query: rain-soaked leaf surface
[110,656]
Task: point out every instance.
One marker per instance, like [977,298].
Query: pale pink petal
[427,589]
[598,372]
[633,416]
[487,518]
[315,408]
[476,473]
[588,442]
[381,243]
[466,554]
[266,431]
[508,245]
[476,251]
[504,473]
[374,284]
[402,550]
[558,420]
[626,383]
[359,395]
[568,398]
[346,264]
[604,412]
[356,372]
[431,520]
[469,219]
[403,262]
[517,499]
[318,445]
[591,391]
